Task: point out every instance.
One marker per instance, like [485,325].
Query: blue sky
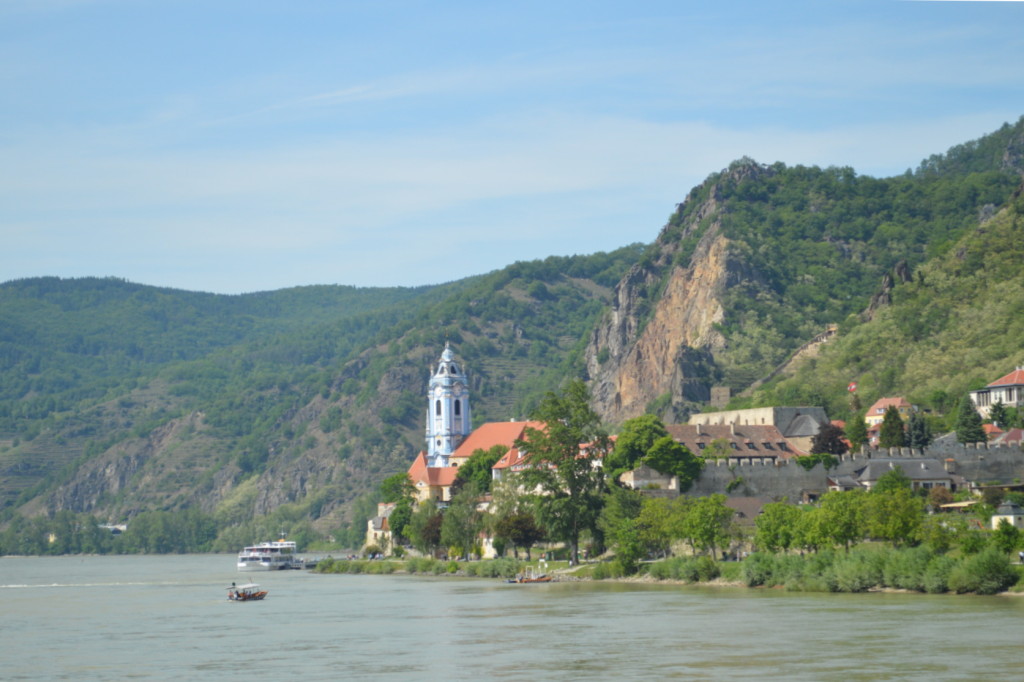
[249,146]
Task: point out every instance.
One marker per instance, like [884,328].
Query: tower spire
[448,415]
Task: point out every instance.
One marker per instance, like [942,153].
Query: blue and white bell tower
[448,419]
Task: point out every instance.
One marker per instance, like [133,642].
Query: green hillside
[957,325]
[245,415]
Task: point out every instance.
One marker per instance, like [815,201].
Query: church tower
[448,419]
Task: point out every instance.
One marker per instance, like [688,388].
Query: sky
[239,146]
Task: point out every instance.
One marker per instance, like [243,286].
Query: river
[166,617]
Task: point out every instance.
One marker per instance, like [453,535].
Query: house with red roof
[876,413]
[1008,389]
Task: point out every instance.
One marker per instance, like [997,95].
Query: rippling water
[167,618]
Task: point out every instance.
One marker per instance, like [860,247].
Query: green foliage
[828,440]
[476,471]
[569,479]
[987,572]
[891,434]
[634,441]
[891,481]
[856,431]
[808,462]
[968,423]
[668,456]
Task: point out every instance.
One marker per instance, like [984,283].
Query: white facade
[448,415]
[1009,390]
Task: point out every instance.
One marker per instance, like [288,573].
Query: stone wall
[979,463]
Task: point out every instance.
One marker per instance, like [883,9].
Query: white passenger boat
[269,556]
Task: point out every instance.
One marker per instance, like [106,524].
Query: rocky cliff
[658,342]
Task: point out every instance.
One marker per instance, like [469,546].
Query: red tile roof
[1014,378]
[882,403]
[493,433]
[432,476]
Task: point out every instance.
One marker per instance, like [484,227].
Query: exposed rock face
[646,349]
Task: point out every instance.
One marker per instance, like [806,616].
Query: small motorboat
[247,592]
[530,576]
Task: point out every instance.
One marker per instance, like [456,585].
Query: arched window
[437,408]
[458,408]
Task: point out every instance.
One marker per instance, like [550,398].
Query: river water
[166,617]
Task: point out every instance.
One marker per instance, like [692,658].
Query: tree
[842,517]
[569,475]
[968,423]
[477,469]
[397,487]
[776,527]
[890,434]
[708,524]
[398,520]
[828,441]
[424,529]
[891,481]
[521,530]
[671,457]
[895,515]
[1006,537]
[620,522]
[998,414]
[634,441]
[856,432]
[460,525]
[919,434]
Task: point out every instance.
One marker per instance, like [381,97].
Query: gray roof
[803,426]
[915,469]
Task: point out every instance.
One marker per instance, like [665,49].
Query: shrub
[759,569]
[905,569]
[987,572]
[936,576]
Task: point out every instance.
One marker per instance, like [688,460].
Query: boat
[277,555]
[530,576]
[247,592]
[543,578]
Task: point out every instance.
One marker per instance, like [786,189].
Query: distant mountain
[281,410]
[116,398]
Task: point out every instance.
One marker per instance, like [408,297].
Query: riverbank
[862,569]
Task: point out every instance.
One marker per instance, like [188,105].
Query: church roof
[419,472]
[1014,378]
[494,433]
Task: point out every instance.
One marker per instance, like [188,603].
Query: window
[783,445]
[700,445]
[767,445]
[751,446]
[734,446]
[437,408]
[458,408]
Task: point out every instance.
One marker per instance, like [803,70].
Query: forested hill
[761,258]
[955,324]
[117,398]
[280,410]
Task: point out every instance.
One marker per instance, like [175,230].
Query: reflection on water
[166,617]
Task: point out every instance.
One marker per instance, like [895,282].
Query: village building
[924,474]
[1009,512]
[797,425]
[747,442]
[378,532]
[1008,390]
[876,413]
